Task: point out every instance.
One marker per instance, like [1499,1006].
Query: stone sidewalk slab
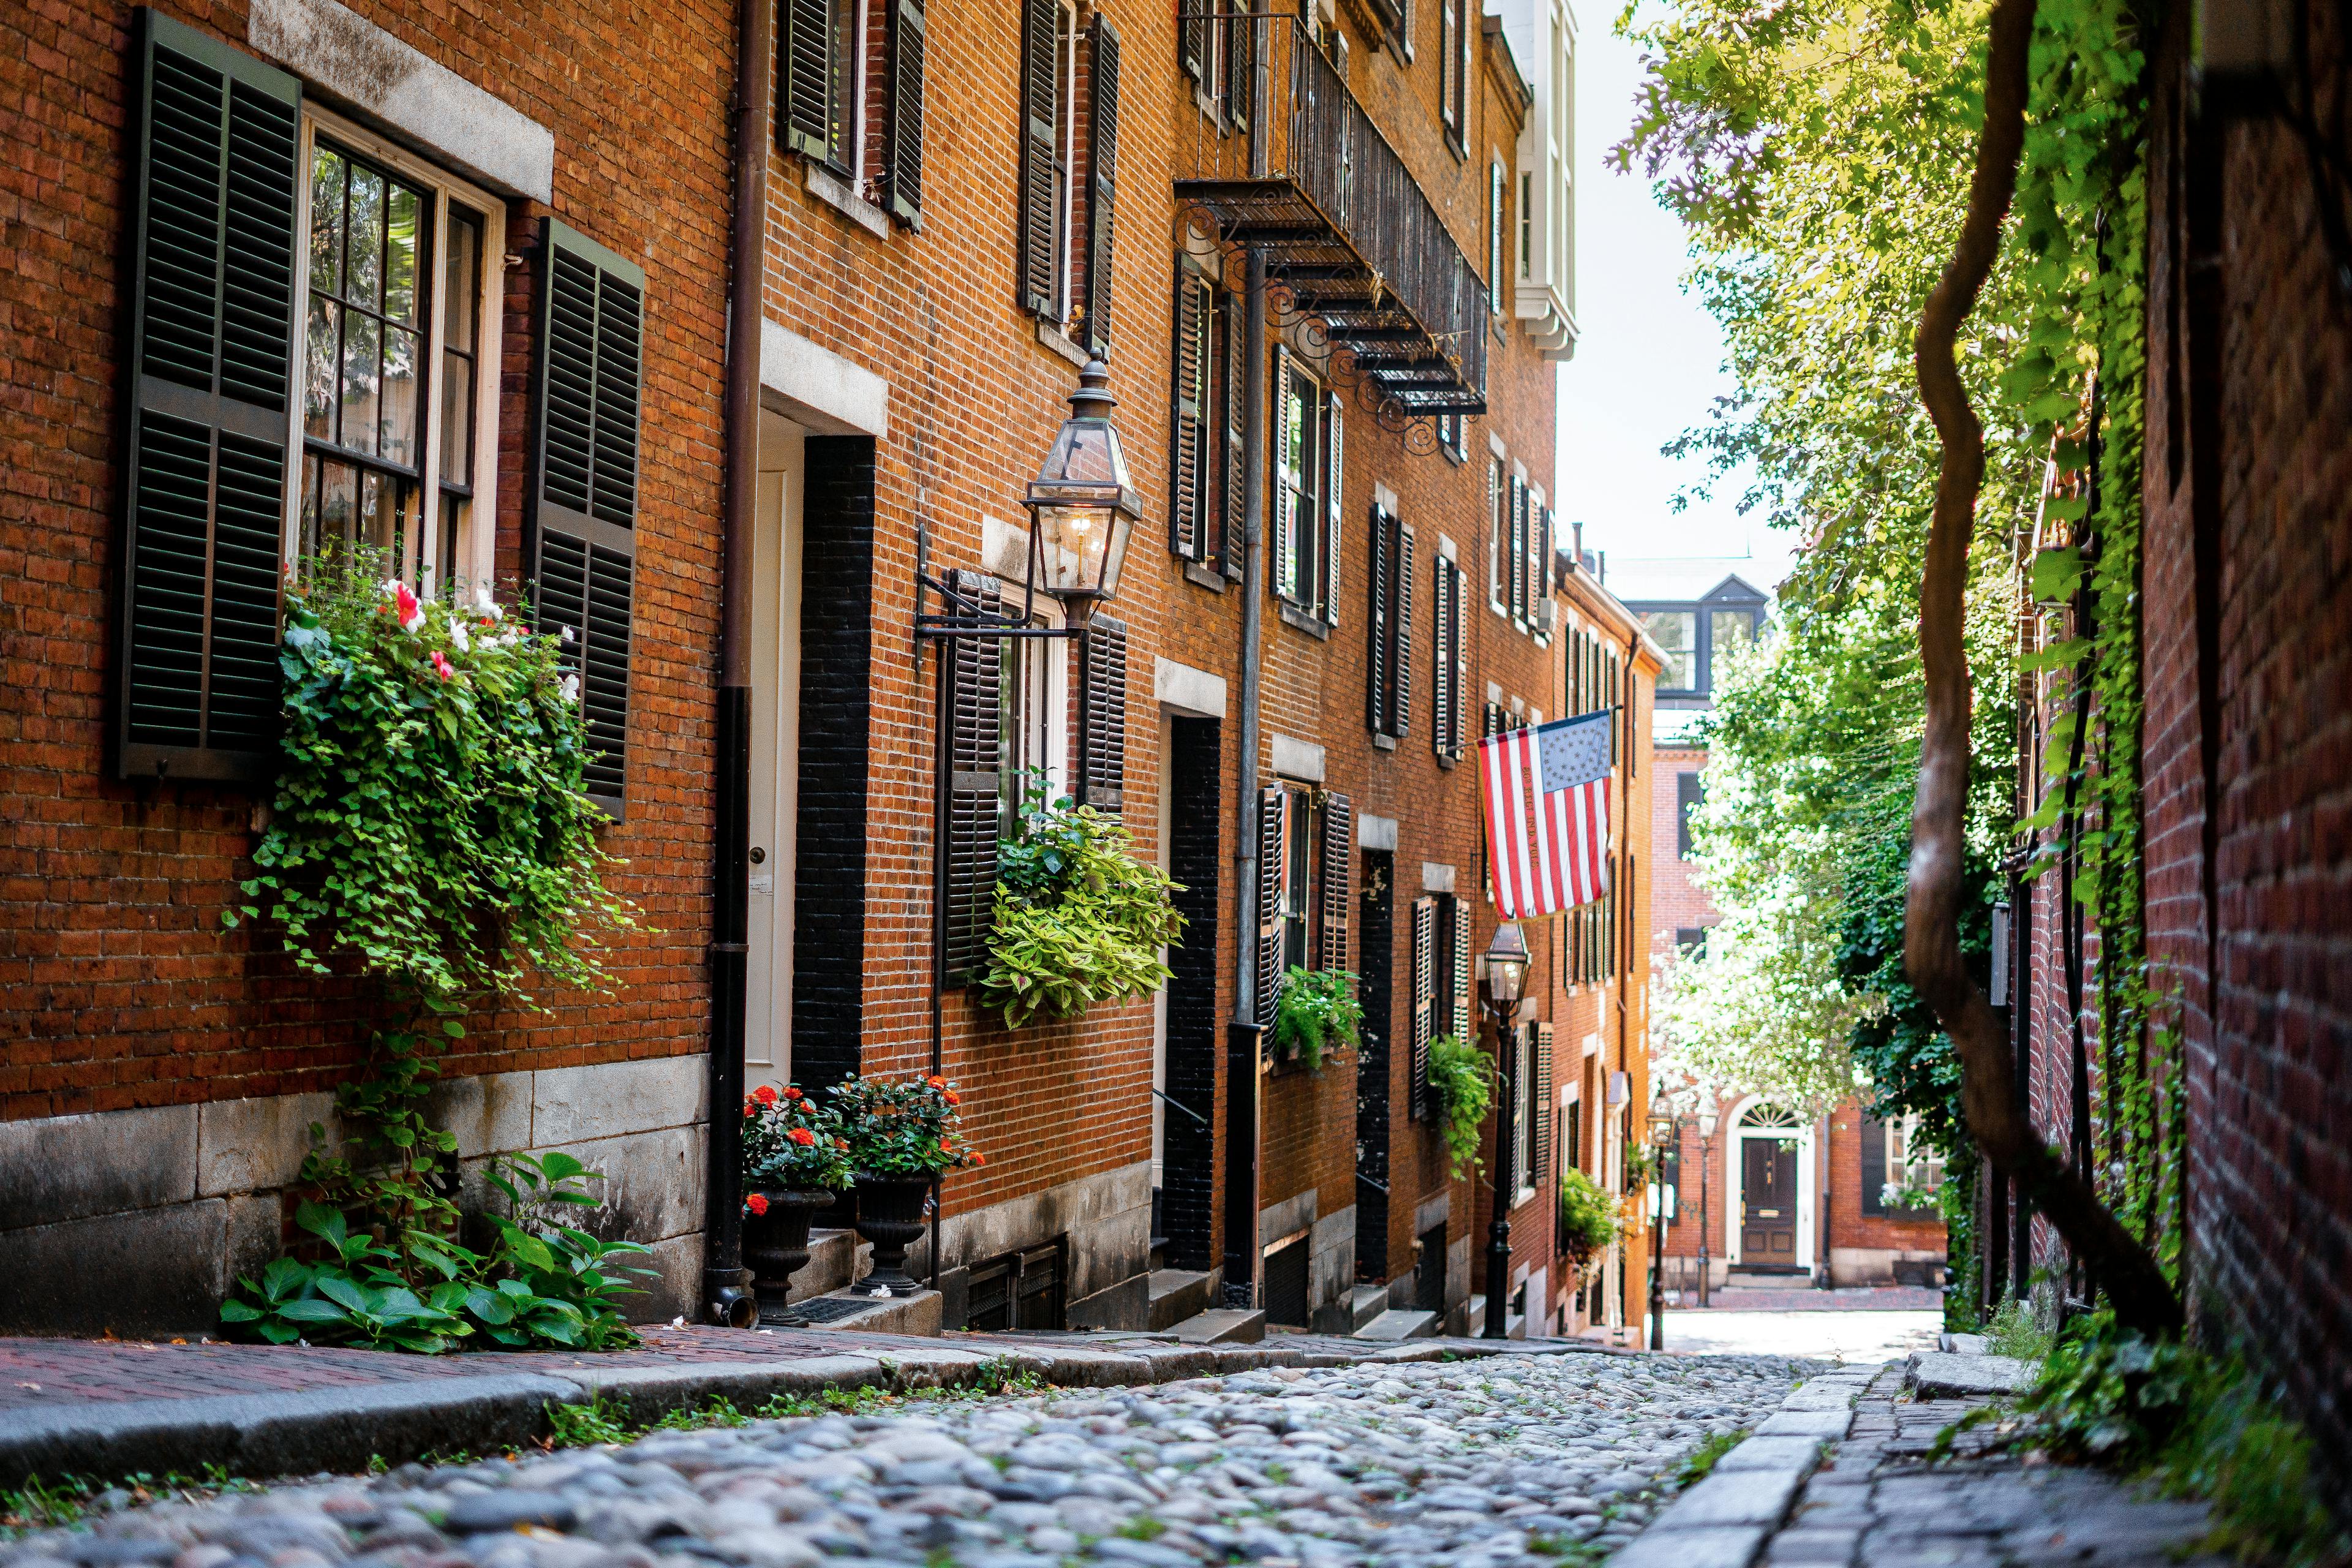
[109,1407]
[1946,1375]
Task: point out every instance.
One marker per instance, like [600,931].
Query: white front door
[775,752]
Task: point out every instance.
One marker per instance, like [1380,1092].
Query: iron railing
[1286,160]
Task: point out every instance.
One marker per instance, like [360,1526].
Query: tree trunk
[2118,1263]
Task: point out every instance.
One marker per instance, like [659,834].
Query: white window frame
[1037,728]
[1907,1163]
[1498,533]
[476,552]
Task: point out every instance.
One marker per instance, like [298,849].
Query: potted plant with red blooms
[903,1136]
[795,1165]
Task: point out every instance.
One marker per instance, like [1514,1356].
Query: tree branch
[2136,1286]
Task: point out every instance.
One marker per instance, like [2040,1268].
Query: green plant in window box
[430,833]
[1462,1085]
[1080,920]
[1314,1012]
[1909,1203]
[1589,1221]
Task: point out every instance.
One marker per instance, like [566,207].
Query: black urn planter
[776,1244]
[890,1216]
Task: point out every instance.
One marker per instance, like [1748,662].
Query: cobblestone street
[1483,1461]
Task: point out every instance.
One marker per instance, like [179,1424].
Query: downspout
[726,1292]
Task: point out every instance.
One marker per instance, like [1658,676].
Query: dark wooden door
[1767,1202]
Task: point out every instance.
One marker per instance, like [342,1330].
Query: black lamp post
[1666,1129]
[1507,970]
[1707,1119]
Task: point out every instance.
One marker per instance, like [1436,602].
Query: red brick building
[960,204]
[2245,749]
[1838,1197]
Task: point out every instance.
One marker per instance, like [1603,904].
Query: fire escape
[1285,162]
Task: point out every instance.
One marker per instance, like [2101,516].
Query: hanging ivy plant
[1079,918]
[1315,1012]
[430,833]
[1461,1081]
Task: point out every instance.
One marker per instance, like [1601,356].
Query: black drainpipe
[726,1292]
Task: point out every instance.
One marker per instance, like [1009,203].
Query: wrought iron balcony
[1286,160]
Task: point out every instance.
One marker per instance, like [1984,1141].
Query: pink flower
[440,663]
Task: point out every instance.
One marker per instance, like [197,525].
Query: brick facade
[919,395]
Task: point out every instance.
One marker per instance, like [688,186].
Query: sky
[1648,356]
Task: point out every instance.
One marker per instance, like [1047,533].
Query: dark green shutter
[1102,182]
[806,78]
[207,378]
[1235,365]
[1327,563]
[584,497]
[1379,567]
[1273,869]
[1539,1156]
[1425,1001]
[1102,715]
[904,161]
[975,739]
[1337,858]
[1401,637]
[1038,113]
[1873,1165]
[1188,465]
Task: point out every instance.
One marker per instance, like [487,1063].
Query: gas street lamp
[1506,966]
[1706,1121]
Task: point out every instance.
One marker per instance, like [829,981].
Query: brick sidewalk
[1854,1298]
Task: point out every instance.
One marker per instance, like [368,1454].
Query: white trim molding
[1807,1176]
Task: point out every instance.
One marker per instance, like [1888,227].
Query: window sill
[1054,338]
[1299,620]
[842,196]
[1383,742]
[1202,576]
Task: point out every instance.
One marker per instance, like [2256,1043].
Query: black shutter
[1441,695]
[1873,1165]
[1539,1156]
[1337,857]
[1459,962]
[1327,557]
[805,77]
[1038,113]
[209,374]
[1236,365]
[1102,715]
[1188,463]
[903,162]
[1424,1001]
[1401,637]
[1273,861]
[1243,40]
[1379,572]
[975,737]
[584,503]
[1102,182]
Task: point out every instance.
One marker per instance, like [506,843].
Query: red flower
[802,1136]
[766,1094]
[974,1157]
[791,1093]
[954,1098]
[936,1081]
[757,1203]
[841,1142]
[442,665]
[946,1147]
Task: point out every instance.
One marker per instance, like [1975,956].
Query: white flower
[570,687]
[487,605]
[567,634]
[459,638]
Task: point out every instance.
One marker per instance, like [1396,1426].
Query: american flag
[1547,797]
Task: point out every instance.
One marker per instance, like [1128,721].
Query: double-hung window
[826,97]
[398,438]
[1389,654]
[1207,460]
[1306,491]
[1455,28]
[1068,168]
[1305,887]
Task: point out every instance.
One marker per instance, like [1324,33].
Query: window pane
[461,281]
[400,355]
[322,355]
[360,376]
[375,522]
[1675,631]
[454,510]
[404,229]
[1731,631]
[457,419]
[363,265]
[338,503]
[326,219]
[308,544]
